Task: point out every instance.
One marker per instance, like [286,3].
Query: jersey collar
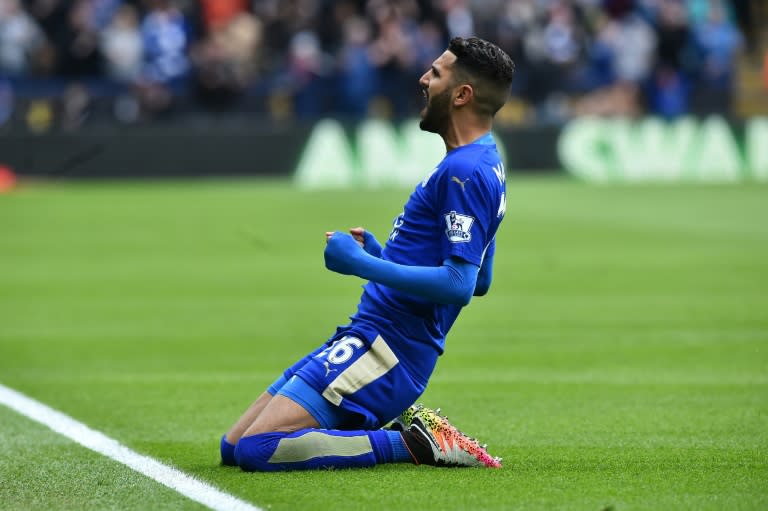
[486,139]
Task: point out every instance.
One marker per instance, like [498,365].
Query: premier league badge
[458,227]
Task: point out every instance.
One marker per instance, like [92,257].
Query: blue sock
[227,452]
[400,452]
[319,448]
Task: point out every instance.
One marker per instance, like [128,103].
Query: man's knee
[253,453]
[227,452]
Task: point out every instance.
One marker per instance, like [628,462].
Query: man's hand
[363,238]
[343,253]
[367,241]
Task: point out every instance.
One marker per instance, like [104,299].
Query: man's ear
[463,94]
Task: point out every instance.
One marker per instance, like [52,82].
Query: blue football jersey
[453,212]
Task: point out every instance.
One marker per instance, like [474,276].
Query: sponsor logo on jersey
[458,227]
[459,181]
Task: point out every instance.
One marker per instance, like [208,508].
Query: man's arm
[454,282]
[485,275]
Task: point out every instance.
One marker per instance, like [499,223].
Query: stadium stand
[72,61]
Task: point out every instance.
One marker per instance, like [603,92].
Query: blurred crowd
[137,59]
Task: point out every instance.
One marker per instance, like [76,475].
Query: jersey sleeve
[464,214]
[491,250]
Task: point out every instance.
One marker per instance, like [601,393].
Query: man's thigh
[284,415]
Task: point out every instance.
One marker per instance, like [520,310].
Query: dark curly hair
[487,68]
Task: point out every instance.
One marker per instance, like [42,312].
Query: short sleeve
[491,250]
[464,215]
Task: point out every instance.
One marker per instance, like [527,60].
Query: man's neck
[463,130]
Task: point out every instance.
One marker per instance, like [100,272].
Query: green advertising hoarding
[376,153]
[711,150]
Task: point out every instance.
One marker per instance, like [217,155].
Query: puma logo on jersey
[459,181]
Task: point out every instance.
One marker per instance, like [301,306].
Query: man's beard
[438,113]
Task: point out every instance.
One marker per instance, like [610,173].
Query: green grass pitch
[619,362]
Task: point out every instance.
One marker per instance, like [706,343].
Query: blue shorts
[326,414]
[354,381]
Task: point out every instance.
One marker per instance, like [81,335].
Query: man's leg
[281,414]
[229,440]
[248,418]
[298,427]
[286,436]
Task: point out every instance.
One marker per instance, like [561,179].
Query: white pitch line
[65,425]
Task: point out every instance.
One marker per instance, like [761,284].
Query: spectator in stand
[306,73]
[330,24]
[429,40]
[511,25]
[554,51]
[78,43]
[746,15]
[282,20]
[628,44]
[719,42]
[50,14]
[357,74]
[560,35]
[600,72]
[669,87]
[122,46]
[458,18]
[103,11]
[79,57]
[589,56]
[698,10]
[165,37]
[634,45]
[243,36]
[218,13]
[225,61]
[21,39]
[392,53]
[674,36]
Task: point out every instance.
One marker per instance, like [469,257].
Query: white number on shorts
[342,350]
